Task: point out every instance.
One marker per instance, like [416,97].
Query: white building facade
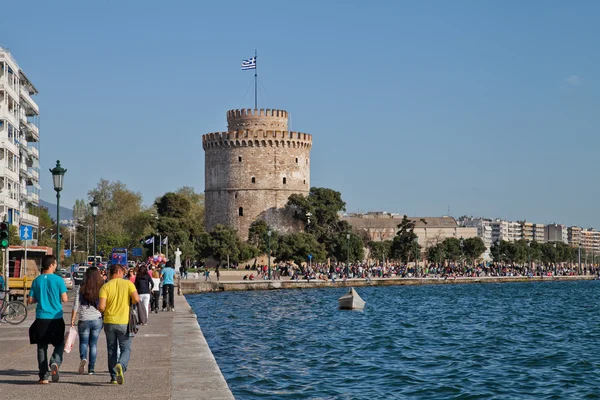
[19,145]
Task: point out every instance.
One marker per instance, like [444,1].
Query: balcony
[9,202]
[33,132]
[4,85]
[34,152]
[11,174]
[10,146]
[8,114]
[33,197]
[23,168]
[34,174]
[33,108]
[29,219]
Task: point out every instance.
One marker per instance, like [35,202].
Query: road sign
[136,252]
[310,256]
[67,253]
[26,232]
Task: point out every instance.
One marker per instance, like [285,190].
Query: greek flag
[150,241]
[249,64]
[166,240]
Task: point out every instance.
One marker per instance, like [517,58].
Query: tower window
[240,158]
[304,181]
[241,211]
[284,180]
[253,180]
[296,160]
[235,196]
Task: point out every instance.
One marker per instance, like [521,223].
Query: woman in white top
[87,297]
[155,291]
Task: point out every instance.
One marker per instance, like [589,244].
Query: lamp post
[58,174]
[528,255]
[579,259]
[348,249]
[416,242]
[94,204]
[555,248]
[462,251]
[269,233]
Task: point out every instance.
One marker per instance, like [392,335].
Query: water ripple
[492,341]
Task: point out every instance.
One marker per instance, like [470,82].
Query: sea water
[473,341]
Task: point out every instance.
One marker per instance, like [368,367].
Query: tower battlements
[243,119]
[257,139]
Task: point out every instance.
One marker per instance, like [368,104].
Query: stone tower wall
[255,170]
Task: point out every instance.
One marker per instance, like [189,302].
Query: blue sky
[486,108]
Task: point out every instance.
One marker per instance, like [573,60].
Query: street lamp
[555,248]
[269,233]
[529,255]
[416,242]
[94,204]
[579,258]
[58,174]
[348,249]
[462,251]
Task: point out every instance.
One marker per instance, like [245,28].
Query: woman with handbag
[144,285]
[90,319]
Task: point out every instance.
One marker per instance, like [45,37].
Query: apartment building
[574,235]
[539,233]
[19,145]
[590,240]
[526,230]
[556,233]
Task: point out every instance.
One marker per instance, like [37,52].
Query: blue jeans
[117,337]
[88,339]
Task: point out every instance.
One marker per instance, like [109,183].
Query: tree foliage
[404,245]
[297,246]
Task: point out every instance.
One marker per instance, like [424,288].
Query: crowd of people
[115,301]
[334,271]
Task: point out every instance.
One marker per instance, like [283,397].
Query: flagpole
[153,253]
[160,244]
[255,80]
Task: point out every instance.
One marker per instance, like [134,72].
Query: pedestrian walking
[206,275]
[144,286]
[168,277]
[155,295]
[116,298]
[86,303]
[48,290]
[217,272]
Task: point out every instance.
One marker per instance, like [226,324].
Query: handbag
[70,337]
[134,321]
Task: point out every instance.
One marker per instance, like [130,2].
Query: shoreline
[195,286]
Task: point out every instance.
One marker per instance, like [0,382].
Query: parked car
[67,279]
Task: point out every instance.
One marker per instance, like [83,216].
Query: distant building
[505,230]
[430,231]
[590,240]
[574,235]
[539,233]
[556,233]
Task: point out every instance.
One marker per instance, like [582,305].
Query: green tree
[380,250]
[473,248]
[118,222]
[452,249]
[297,246]
[436,253]
[258,236]
[404,243]
[342,247]
[319,213]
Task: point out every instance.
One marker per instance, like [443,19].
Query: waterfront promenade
[170,360]
[232,282]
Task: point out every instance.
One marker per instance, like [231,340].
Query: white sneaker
[82,365]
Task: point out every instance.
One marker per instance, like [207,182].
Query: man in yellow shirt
[116,296]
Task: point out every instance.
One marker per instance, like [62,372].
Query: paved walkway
[170,360]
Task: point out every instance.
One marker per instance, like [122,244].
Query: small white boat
[351,301]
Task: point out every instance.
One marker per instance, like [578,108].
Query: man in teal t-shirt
[49,292]
[168,273]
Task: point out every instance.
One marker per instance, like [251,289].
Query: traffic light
[4,242]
